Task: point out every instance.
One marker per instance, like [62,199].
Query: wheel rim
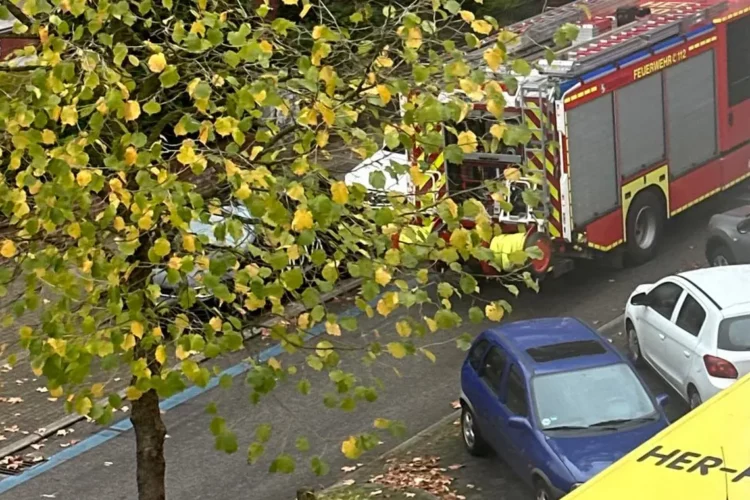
[633,345]
[645,227]
[720,260]
[541,494]
[468,428]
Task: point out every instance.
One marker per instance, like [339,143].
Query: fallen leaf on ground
[14,400]
[52,399]
[63,432]
[423,473]
[41,430]
[2,438]
[455,466]
[37,446]
[42,389]
[347,482]
[12,428]
[456,404]
[349,468]
[49,495]
[107,464]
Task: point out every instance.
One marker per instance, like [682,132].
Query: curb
[291,310]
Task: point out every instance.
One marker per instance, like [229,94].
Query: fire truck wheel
[539,267]
[645,225]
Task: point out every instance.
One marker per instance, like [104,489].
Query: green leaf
[302,444]
[292,279]
[521,67]
[225,381]
[319,467]
[162,247]
[469,284]
[476,315]
[152,107]
[169,77]
[283,464]
[303,386]
[377,179]
[452,6]
[464,342]
[396,349]
[227,442]
[254,452]
[263,433]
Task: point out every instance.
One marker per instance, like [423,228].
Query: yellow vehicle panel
[703,456]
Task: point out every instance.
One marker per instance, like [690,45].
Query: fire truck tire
[539,267]
[645,226]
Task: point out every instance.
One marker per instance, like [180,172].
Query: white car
[380,162]
[693,328]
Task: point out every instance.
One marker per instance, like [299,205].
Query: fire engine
[644,115]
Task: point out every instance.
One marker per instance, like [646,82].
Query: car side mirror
[640,299]
[519,423]
[744,226]
[662,400]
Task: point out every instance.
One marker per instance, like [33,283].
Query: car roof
[727,286]
[534,335]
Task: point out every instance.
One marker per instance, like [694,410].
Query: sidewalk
[29,415]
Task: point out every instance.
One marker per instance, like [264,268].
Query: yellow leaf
[431,324]
[21,209]
[403,328]
[274,363]
[467,16]
[266,47]
[340,193]
[482,27]
[128,343]
[58,345]
[351,449]
[305,9]
[333,329]
[296,191]
[48,136]
[131,155]
[157,62]
[156,332]
[43,34]
[317,32]
[226,125]
[326,113]
[495,108]
[187,153]
[303,321]
[396,349]
[83,406]
[216,324]
[302,220]
[198,28]
[382,423]
[243,192]
[231,168]
[384,93]
[74,230]
[8,249]
[136,328]
[414,38]
[174,262]
[384,61]
[181,353]
[494,58]
[160,354]
[512,173]
[188,242]
[467,141]
[132,393]
[498,130]
[97,390]
[83,178]
[387,304]
[382,276]
[145,222]
[321,138]
[494,312]
[290,2]
[131,110]
[69,115]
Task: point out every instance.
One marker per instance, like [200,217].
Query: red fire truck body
[644,116]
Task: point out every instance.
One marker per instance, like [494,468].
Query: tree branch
[17,12]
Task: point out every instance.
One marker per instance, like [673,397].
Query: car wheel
[541,490]
[695,399]
[473,441]
[720,256]
[644,225]
[634,347]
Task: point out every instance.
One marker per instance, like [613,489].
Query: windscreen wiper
[567,428]
[606,423]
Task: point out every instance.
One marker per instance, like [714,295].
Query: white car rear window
[734,334]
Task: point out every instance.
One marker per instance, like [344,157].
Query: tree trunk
[149,447]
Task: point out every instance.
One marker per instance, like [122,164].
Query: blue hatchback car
[556,401]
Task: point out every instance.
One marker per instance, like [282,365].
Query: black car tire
[542,491]
[645,226]
[635,354]
[473,440]
[720,255]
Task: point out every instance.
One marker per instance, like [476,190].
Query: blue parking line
[125,424]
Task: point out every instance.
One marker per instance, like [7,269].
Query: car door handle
[662,336]
[686,353]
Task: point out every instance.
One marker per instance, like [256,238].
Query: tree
[131,124]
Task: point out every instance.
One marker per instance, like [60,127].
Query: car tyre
[541,490]
[694,399]
[473,441]
[720,255]
[634,346]
[645,226]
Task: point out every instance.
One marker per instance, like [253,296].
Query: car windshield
[590,397]
[734,334]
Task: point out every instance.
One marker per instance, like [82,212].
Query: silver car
[729,238]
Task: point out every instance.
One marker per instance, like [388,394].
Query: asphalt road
[416,392]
